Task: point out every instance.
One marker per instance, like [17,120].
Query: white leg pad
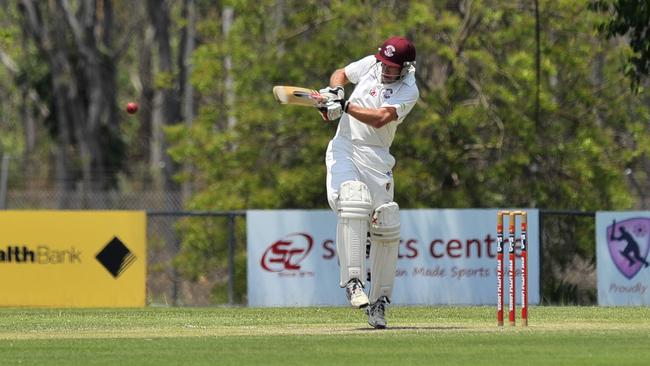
[385,235]
[354,207]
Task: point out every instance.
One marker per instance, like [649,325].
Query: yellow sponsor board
[73,258]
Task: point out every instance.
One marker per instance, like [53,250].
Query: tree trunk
[29,126]
[31,103]
[166,106]
[185,61]
[144,84]
[76,45]
[227,18]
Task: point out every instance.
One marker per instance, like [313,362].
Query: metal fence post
[231,259]
[4,174]
[175,274]
[540,233]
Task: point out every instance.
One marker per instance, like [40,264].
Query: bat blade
[296,95]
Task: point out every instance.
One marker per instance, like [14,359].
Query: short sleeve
[357,69]
[403,102]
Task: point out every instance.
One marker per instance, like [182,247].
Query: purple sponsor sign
[629,243]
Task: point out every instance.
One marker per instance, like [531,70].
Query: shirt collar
[409,79]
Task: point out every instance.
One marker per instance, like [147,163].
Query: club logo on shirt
[387,93]
[373,92]
[389,51]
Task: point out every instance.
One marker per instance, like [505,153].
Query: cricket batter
[359,169]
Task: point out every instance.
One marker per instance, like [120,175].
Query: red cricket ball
[132,107]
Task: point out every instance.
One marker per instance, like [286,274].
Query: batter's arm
[338,78]
[375,117]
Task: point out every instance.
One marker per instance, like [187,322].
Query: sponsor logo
[41,254]
[115,257]
[287,253]
[389,175]
[373,92]
[628,242]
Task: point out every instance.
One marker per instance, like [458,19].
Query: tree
[86,67]
[472,131]
[471,141]
[24,105]
[631,19]
[78,47]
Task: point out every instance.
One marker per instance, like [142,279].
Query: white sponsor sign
[445,257]
[622,246]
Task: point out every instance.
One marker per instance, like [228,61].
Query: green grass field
[322,336]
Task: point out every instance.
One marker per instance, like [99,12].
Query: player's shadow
[410,328]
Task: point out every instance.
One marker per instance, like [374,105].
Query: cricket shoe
[377,313]
[356,295]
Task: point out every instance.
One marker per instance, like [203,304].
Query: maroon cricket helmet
[396,51]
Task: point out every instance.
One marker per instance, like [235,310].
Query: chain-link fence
[196,258]
[568,257]
[84,200]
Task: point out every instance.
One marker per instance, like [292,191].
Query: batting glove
[333,109]
[333,93]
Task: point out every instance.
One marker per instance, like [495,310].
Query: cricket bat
[298,96]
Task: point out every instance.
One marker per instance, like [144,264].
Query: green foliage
[164,80]
[629,18]
[10,142]
[6,39]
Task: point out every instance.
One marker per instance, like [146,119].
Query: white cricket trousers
[371,165]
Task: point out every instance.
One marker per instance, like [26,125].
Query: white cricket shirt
[371,93]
